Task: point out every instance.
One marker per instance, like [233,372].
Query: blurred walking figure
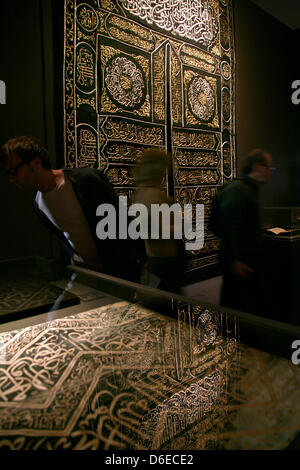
[165,257]
[241,233]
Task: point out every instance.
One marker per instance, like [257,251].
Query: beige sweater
[156,248]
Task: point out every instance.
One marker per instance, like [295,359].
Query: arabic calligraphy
[197,58]
[120,176]
[195,20]
[159,84]
[125,82]
[88,151]
[38,370]
[87,17]
[85,67]
[130,33]
[127,131]
[108,377]
[195,140]
[197,158]
[186,177]
[227,159]
[176,89]
[125,153]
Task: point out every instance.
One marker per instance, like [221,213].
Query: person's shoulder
[82,171]
[86,175]
[235,186]
[233,194]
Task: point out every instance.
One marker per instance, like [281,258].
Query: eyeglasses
[271,168]
[13,171]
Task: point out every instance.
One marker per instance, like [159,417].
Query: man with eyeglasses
[241,235]
[66,201]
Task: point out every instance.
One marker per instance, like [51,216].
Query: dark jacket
[119,258]
[240,226]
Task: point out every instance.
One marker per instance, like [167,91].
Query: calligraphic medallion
[125,82]
[87,17]
[201,99]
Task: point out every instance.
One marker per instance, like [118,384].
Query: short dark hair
[255,156]
[27,148]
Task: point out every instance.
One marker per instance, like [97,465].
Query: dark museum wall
[266,65]
[26,67]
[294,160]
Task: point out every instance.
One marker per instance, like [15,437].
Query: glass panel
[131,367]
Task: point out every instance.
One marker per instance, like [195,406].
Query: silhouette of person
[241,235]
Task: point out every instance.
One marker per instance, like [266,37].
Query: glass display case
[281,261]
[132,367]
[281,222]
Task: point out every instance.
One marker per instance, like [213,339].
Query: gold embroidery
[120,176]
[87,18]
[85,67]
[209,246]
[124,130]
[184,196]
[204,195]
[202,98]
[87,148]
[195,140]
[60,382]
[196,177]
[224,32]
[84,37]
[200,64]
[108,5]
[130,38]
[101,136]
[197,53]
[227,165]
[176,45]
[70,150]
[226,70]
[197,159]
[216,47]
[159,84]
[130,33]
[226,104]
[102,20]
[91,102]
[176,89]
[124,153]
[202,262]
[106,53]
[132,134]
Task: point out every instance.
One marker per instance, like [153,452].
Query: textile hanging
[153,73]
